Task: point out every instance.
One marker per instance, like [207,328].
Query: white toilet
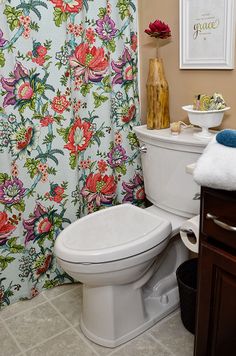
[126,257]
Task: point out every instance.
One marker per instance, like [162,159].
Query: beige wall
[183,84]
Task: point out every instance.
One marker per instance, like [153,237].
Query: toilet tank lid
[164,137]
[111,234]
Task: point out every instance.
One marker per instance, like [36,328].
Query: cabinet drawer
[219,217]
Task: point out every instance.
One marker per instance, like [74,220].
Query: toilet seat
[111,234]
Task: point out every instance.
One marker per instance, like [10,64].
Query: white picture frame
[207,34]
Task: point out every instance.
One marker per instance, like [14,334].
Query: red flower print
[102,166]
[134,42]
[45,121]
[99,188]
[89,62]
[90,35]
[79,136]
[39,60]
[45,265]
[34,292]
[41,50]
[68,5]
[60,103]
[5,227]
[26,139]
[59,190]
[56,193]
[130,114]
[38,54]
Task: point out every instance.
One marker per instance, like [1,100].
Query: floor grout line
[46,299]
[82,337]
[63,293]
[161,344]
[58,312]
[45,340]
[73,327]
[13,336]
[25,310]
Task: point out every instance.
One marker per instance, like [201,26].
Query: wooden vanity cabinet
[216,300]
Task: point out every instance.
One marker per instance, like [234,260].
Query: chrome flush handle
[197,196]
[143,149]
[220,223]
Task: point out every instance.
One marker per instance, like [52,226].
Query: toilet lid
[111,234]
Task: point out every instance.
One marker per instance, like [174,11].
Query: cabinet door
[216,306]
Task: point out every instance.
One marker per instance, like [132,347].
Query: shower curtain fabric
[69,102]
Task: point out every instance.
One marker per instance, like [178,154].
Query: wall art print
[207,33]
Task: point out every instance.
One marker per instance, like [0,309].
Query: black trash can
[187,281]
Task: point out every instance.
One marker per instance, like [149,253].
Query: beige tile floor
[48,325]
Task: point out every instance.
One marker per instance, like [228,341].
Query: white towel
[216,167]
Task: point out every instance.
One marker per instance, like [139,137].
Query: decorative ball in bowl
[205,120]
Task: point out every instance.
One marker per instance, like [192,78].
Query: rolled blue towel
[227,138]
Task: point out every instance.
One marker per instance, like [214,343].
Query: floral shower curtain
[69,101]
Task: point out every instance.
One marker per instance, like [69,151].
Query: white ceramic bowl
[205,120]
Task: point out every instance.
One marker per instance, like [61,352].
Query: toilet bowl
[114,252]
[125,256]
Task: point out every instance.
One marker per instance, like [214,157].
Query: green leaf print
[99,99]
[2,59]
[111,46]
[14,247]
[123,6]
[59,16]
[102,12]
[31,165]
[12,15]
[64,133]
[85,88]
[107,84]
[122,169]
[20,206]
[73,161]
[4,261]
[3,177]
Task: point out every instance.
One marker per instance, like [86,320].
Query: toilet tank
[164,159]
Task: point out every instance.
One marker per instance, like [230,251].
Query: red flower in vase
[158,29]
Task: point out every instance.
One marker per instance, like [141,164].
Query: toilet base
[113,315]
[156,309]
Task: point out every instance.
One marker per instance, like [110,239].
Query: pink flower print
[89,62]
[85,164]
[11,191]
[118,138]
[2,40]
[14,85]
[40,223]
[25,91]
[134,190]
